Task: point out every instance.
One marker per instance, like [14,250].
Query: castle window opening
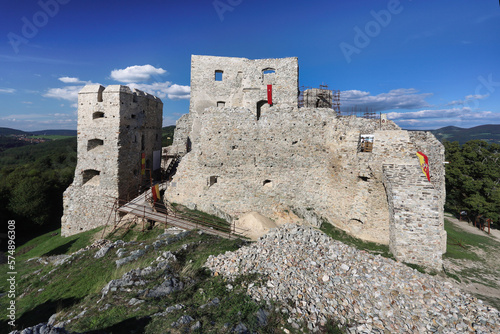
[143,144]
[93,143]
[91,176]
[366,143]
[98,114]
[132,116]
[218,75]
[259,108]
[221,104]
[267,183]
[212,180]
[267,71]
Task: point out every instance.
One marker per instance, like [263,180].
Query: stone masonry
[245,155]
[115,126]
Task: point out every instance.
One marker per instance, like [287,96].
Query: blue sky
[427,64]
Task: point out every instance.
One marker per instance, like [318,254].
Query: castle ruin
[247,146]
[245,150]
[117,129]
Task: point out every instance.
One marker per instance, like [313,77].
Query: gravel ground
[317,278]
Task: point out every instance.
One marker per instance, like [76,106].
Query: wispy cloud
[136,73]
[40,121]
[7,90]
[468,98]
[488,17]
[71,80]
[442,117]
[401,98]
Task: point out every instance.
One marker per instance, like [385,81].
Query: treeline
[32,180]
[10,142]
[473,179]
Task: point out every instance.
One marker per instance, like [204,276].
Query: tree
[473,179]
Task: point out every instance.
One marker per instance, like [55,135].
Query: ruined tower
[117,128]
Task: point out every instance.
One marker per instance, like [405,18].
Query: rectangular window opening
[218,75]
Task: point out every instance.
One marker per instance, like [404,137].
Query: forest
[473,179]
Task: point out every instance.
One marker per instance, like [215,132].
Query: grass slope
[71,288]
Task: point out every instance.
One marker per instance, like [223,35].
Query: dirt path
[470,228]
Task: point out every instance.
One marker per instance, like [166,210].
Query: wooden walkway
[142,207]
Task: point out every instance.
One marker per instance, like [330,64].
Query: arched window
[97,114]
[221,104]
[268,71]
[91,176]
[93,143]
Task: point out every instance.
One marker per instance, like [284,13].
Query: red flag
[270,94]
[424,164]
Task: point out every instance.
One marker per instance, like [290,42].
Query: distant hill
[9,131]
[167,135]
[489,133]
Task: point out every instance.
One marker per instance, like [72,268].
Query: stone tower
[116,126]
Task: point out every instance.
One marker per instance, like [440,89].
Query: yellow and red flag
[424,164]
[156,192]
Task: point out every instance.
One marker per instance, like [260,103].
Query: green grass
[473,255]
[51,137]
[73,287]
[45,289]
[460,243]
[211,220]
[41,299]
[340,235]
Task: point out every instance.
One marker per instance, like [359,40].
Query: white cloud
[70,80]
[7,90]
[401,98]
[468,99]
[163,89]
[69,93]
[440,113]
[427,119]
[136,73]
[41,121]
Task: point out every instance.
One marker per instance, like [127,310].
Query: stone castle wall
[416,226]
[243,82]
[115,126]
[302,161]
